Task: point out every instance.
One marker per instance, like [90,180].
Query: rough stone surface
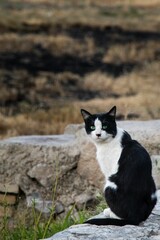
[37,159]
[9,188]
[8,199]
[148,230]
[45,169]
[44,206]
[42,173]
[156,169]
[36,164]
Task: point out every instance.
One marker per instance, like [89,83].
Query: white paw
[106,212]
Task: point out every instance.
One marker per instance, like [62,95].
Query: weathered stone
[6,211]
[9,188]
[40,204]
[156,169]
[148,230]
[40,158]
[85,199]
[65,164]
[44,206]
[59,208]
[42,173]
[8,199]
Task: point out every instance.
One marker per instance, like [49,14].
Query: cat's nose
[98,135]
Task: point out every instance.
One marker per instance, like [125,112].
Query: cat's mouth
[100,138]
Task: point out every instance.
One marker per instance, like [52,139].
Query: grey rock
[42,173]
[148,230]
[40,158]
[44,206]
[156,169]
[59,208]
[85,199]
[38,203]
[45,169]
[67,163]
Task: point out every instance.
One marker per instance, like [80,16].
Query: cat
[130,191]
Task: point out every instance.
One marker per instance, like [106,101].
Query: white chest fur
[108,154]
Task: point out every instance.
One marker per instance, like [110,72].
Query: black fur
[106,118]
[132,200]
[111,221]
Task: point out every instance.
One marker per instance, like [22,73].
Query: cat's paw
[107,212]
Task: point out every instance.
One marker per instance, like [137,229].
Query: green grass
[40,227]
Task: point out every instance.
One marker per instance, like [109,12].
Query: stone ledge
[40,140]
[8,199]
[9,188]
[149,230]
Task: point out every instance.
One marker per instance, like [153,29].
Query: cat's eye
[93,128]
[104,127]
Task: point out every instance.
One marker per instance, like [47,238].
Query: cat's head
[101,127]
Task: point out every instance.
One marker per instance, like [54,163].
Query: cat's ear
[85,114]
[112,112]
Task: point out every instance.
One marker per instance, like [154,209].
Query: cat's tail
[111,221]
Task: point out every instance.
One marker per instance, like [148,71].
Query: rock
[65,164]
[9,188]
[40,204]
[156,169]
[44,206]
[59,208]
[45,169]
[85,199]
[35,162]
[148,230]
[42,173]
[8,199]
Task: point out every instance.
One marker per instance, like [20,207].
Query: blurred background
[57,56]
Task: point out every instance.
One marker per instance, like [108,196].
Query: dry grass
[132,52]
[89,2]
[78,34]
[57,45]
[40,122]
[138,94]
[93,12]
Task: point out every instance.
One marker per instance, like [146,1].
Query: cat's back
[134,156]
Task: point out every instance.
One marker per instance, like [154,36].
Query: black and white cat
[130,190]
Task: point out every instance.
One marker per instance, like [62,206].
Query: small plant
[34,226]
[39,228]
